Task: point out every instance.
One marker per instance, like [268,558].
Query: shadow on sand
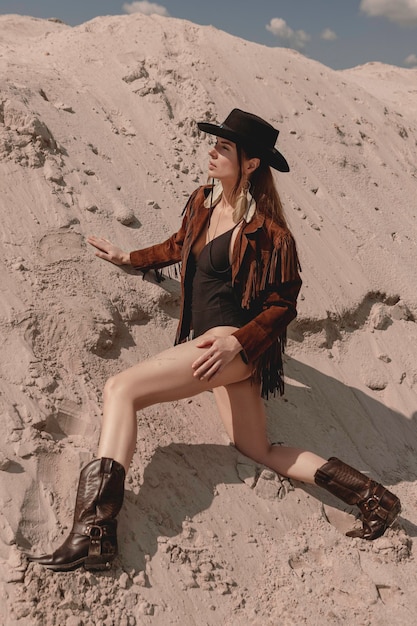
[319,413]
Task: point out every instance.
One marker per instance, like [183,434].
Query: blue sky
[338,33]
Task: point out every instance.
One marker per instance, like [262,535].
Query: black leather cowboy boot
[379,507]
[92,541]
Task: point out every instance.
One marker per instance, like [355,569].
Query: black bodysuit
[214,301]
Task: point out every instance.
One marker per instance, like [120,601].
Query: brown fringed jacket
[265,273]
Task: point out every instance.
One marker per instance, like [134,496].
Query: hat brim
[272,156]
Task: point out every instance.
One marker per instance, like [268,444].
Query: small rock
[402,377]
[4,462]
[271,486]
[379,317]
[13,575]
[124,215]
[140,579]
[61,106]
[385,358]
[375,380]
[124,580]
[52,173]
[145,608]
[400,311]
[19,267]
[27,449]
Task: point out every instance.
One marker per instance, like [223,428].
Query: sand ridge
[98,136]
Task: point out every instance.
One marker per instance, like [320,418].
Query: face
[224,164]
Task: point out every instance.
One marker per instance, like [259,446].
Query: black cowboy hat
[252,132]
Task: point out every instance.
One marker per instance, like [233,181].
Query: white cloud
[148,8]
[294,38]
[403,12]
[328,35]
[411,60]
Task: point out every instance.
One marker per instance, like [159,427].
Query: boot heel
[98,563]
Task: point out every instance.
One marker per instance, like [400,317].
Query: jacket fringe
[282,266]
[269,369]
[282,261]
[170,271]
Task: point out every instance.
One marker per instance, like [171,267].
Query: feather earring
[245,204]
[214,195]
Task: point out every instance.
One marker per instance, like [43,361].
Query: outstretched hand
[109,252]
[220,352]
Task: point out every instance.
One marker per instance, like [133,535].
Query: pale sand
[98,136]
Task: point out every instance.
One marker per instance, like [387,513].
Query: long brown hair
[262,188]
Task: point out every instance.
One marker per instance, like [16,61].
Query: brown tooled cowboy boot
[92,541]
[379,507]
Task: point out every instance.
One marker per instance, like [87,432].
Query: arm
[278,310]
[159,255]
[109,252]
[167,252]
[153,257]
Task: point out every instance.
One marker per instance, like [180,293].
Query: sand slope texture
[98,136]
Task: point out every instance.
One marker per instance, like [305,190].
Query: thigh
[243,414]
[168,376]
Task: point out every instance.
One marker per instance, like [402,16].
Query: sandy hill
[98,136]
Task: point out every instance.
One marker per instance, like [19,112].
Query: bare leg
[243,414]
[242,411]
[163,378]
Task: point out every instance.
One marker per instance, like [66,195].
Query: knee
[257,451]
[115,386]
[124,390]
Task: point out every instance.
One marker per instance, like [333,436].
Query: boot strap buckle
[94,531]
[371,503]
[96,534]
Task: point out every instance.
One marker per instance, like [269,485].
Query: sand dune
[98,136]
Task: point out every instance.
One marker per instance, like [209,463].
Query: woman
[240,283]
